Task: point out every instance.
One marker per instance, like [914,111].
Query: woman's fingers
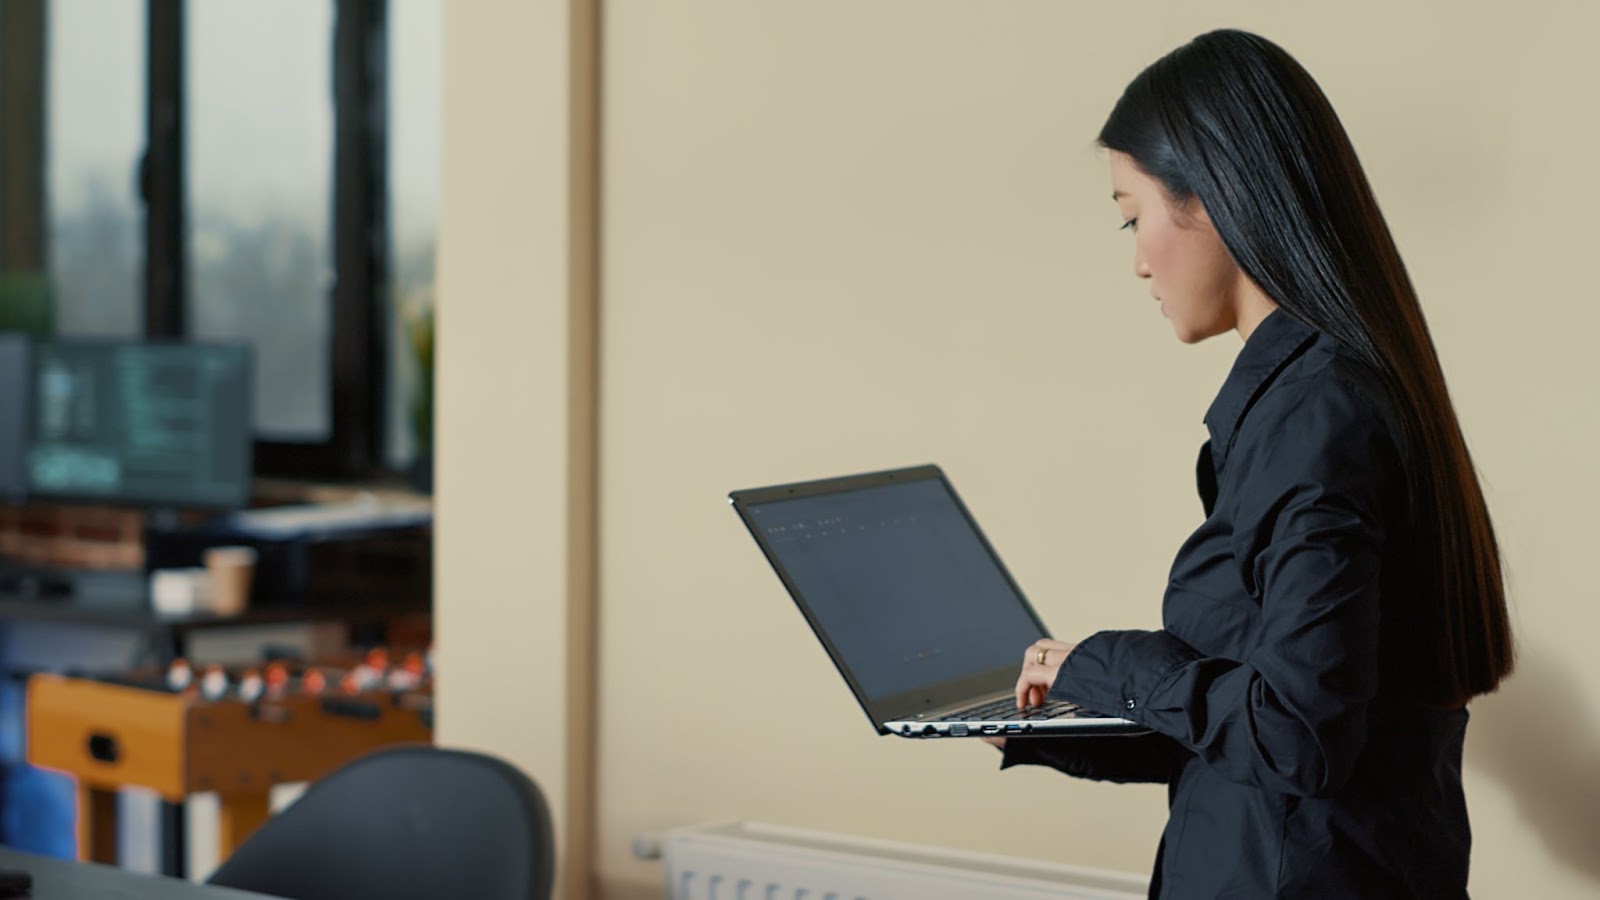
[1030,690]
[1040,666]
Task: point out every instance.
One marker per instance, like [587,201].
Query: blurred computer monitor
[141,423]
[16,378]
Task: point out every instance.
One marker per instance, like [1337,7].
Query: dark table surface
[57,879]
[122,612]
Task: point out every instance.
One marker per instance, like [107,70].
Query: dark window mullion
[361,240]
[165,193]
[22,122]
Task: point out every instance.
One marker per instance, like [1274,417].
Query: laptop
[911,602]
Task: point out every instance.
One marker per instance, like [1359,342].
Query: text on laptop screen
[898,580]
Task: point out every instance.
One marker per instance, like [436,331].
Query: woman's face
[1202,291]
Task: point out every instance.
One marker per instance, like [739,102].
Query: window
[220,169]
[415,67]
[94,119]
[259,160]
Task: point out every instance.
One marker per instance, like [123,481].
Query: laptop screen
[896,580]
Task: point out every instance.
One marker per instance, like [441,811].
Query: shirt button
[1131,703]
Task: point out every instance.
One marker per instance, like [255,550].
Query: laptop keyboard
[1005,709]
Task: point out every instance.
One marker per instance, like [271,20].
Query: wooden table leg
[237,816]
[97,824]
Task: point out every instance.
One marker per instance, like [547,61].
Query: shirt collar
[1279,338]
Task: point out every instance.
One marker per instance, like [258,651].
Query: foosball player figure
[408,676]
[277,680]
[179,676]
[214,683]
[372,672]
[350,682]
[250,686]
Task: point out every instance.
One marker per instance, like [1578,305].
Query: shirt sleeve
[1140,758]
[1309,472]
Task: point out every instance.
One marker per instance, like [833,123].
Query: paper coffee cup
[232,569]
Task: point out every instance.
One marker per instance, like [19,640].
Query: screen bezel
[911,703]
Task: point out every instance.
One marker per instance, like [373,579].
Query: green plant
[416,317]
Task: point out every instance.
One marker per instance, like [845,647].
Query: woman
[1326,625]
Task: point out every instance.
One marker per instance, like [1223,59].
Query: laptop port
[991,729]
[1013,728]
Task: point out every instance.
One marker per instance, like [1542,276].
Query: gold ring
[1039,657]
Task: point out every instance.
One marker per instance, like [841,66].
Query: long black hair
[1234,121]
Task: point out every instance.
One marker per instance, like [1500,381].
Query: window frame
[362,242]
[24,239]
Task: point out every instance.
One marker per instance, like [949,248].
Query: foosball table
[233,732]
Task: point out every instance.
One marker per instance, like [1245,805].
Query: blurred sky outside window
[258,81]
[94,136]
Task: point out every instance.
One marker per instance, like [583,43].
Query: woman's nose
[1141,269]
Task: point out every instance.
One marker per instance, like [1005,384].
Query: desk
[56,879]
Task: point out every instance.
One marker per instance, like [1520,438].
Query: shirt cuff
[1116,672]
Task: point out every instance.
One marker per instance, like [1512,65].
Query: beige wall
[505,375]
[841,235]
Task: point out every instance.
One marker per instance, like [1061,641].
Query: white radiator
[752,861]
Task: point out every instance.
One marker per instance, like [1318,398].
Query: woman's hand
[1039,667]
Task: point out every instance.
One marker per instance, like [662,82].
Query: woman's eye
[1130,224]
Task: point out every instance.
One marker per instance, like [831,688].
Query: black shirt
[1298,763]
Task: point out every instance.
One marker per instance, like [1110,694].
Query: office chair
[410,823]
